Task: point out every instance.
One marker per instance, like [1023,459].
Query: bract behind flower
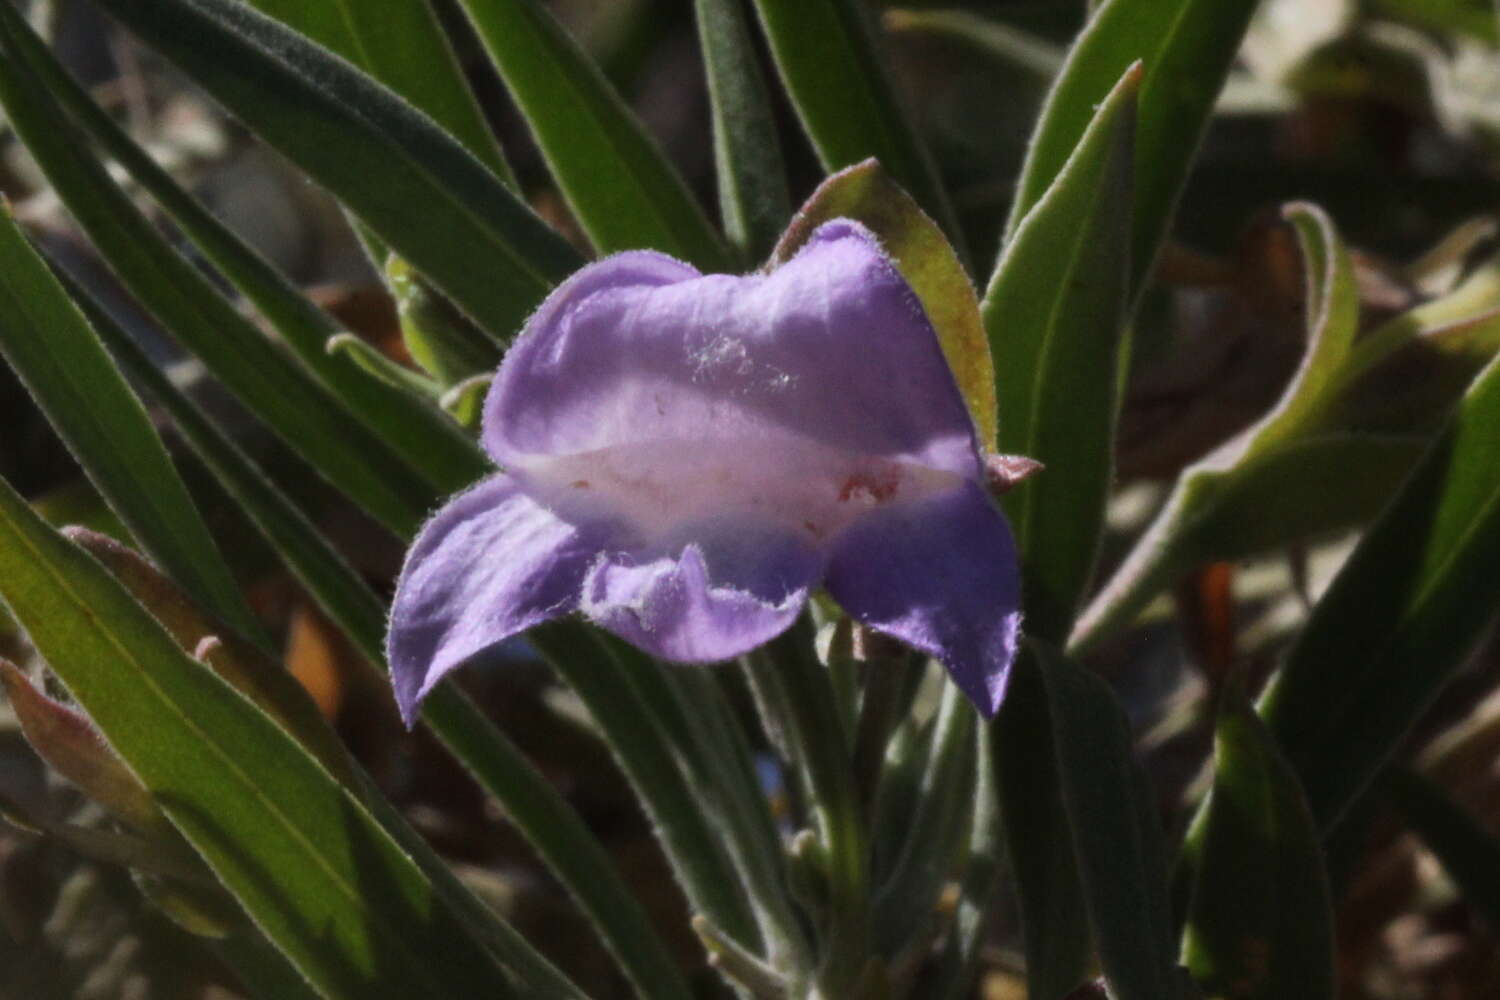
[687,456]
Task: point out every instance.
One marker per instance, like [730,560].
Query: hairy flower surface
[687,456]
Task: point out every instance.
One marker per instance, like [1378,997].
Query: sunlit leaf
[867,194]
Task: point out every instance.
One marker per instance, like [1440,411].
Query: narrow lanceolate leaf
[1115,831]
[867,193]
[753,202]
[301,411]
[1038,839]
[1186,47]
[1054,312]
[1469,854]
[624,192]
[1260,925]
[401,44]
[1288,459]
[530,801]
[1400,616]
[318,875]
[826,53]
[60,361]
[419,434]
[409,181]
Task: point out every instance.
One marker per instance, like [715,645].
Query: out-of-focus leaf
[1311,478]
[304,858]
[531,803]
[1054,312]
[413,184]
[867,194]
[1186,47]
[60,361]
[1038,841]
[63,738]
[1398,619]
[1006,44]
[1469,854]
[155,856]
[826,53]
[369,358]
[302,412]
[753,201]
[1116,835]
[623,190]
[1470,17]
[419,433]
[1260,925]
[401,44]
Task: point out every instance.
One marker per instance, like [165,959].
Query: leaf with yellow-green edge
[316,872]
[401,44]
[925,258]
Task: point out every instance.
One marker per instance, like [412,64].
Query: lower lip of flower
[661,491]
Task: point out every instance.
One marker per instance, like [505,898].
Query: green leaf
[753,201]
[1469,854]
[301,411]
[552,827]
[906,904]
[1116,834]
[1400,616]
[63,366]
[636,736]
[420,434]
[1007,45]
[319,876]
[1054,312]
[1260,925]
[625,193]
[401,44]
[409,181]
[826,53]
[1038,840]
[1186,47]
[867,193]
[1311,477]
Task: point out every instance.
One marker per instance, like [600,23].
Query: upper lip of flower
[688,455]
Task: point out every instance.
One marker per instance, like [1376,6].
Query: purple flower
[686,456]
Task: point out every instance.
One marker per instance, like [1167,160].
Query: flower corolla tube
[687,456]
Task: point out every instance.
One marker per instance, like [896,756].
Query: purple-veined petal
[941,576]
[831,350]
[711,600]
[488,565]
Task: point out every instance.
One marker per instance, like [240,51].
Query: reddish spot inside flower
[878,487]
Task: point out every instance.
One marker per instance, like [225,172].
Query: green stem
[815,735]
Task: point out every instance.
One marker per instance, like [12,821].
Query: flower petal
[708,602]
[831,348]
[941,576]
[487,566]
